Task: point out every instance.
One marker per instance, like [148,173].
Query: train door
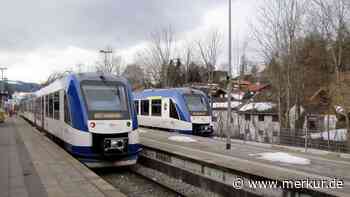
[42,111]
[165,108]
[61,114]
[35,110]
[166,121]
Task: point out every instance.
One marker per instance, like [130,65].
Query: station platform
[33,166]
[245,158]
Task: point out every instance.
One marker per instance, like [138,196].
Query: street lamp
[229,86]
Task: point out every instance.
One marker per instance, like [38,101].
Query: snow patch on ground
[180,138]
[283,158]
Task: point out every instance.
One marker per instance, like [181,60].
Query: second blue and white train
[184,110]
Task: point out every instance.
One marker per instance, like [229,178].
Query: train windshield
[196,103]
[104,98]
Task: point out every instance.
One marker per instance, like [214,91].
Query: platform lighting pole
[229,86]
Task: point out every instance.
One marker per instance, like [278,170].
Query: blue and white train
[92,114]
[184,110]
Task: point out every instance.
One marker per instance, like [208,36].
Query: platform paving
[32,165]
[243,158]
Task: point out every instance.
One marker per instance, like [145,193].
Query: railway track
[133,184]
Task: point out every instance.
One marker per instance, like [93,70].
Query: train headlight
[92,124]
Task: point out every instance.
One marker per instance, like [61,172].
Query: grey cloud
[92,24]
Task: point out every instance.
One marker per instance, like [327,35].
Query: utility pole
[106,52]
[229,86]
[2,69]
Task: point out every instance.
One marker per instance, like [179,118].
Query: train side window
[51,106]
[56,106]
[136,104]
[47,106]
[145,107]
[173,111]
[156,107]
[67,118]
[42,100]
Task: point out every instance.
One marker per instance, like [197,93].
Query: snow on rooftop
[282,157]
[225,104]
[338,135]
[261,106]
[180,138]
[339,109]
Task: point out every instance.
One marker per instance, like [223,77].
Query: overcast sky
[38,37]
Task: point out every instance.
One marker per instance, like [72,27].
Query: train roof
[170,92]
[97,76]
[63,82]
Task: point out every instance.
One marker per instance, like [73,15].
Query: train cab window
[67,118]
[136,105]
[196,103]
[56,106]
[51,106]
[145,107]
[156,107]
[173,111]
[105,98]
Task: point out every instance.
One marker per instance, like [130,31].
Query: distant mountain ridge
[20,86]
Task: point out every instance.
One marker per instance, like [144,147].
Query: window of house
[56,105]
[136,104]
[173,111]
[51,106]
[275,118]
[275,133]
[247,117]
[145,107]
[261,132]
[261,117]
[67,118]
[156,107]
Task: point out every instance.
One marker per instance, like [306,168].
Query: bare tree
[157,55]
[210,49]
[55,76]
[280,26]
[334,21]
[187,54]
